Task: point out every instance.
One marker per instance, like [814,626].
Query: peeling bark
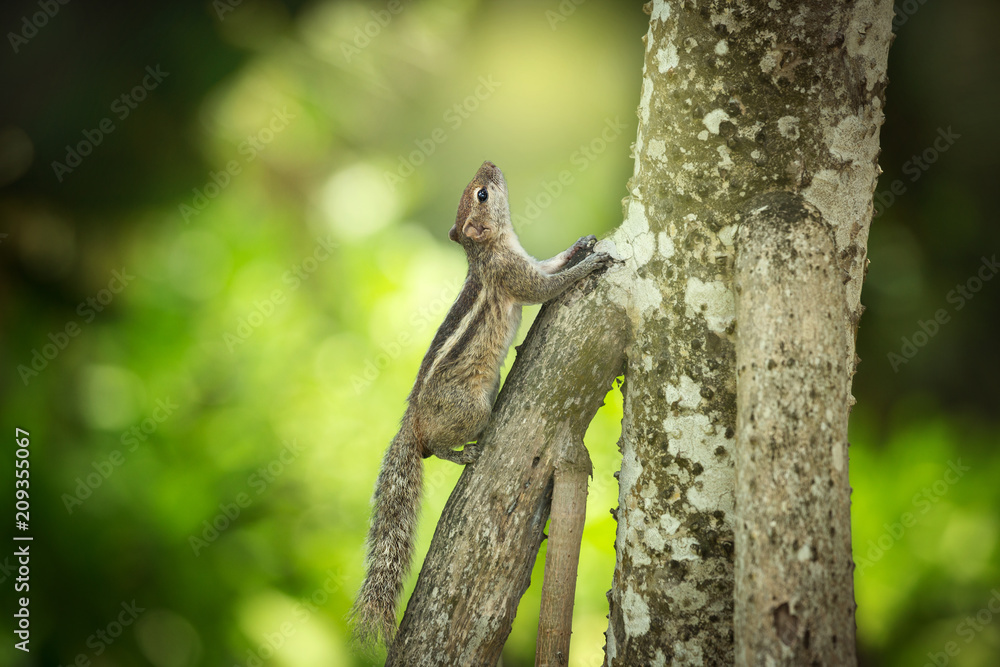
[486,542]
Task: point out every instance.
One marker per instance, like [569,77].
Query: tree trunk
[738,99]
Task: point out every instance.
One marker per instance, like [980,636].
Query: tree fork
[485,544]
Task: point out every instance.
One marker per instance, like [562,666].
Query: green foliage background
[258,357]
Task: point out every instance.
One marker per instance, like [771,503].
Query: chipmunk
[458,380]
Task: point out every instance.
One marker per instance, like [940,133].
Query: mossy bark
[738,99]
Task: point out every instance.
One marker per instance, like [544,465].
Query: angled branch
[486,542]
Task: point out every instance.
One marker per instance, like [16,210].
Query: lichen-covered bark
[794,573]
[480,559]
[738,98]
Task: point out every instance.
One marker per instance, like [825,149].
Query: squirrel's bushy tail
[390,538]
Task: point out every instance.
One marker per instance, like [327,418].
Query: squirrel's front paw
[600,260]
[583,243]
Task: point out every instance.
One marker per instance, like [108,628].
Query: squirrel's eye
[482,194]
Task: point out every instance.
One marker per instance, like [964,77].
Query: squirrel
[458,380]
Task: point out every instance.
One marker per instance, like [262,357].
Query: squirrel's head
[483,214]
